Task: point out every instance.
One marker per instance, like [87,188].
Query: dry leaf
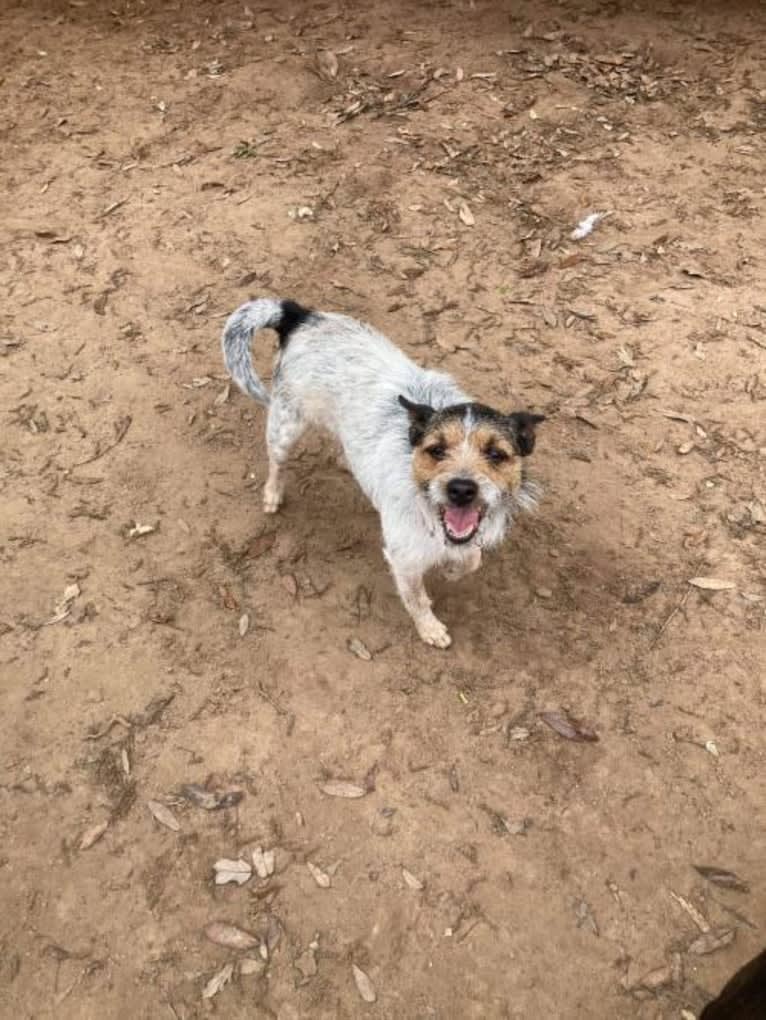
[698,918]
[657,978]
[227,870]
[359,649]
[586,225]
[465,215]
[223,396]
[568,727]
[63,606]
[210,800]
[251,965]
[260,863]
[270,860]
[218,981]
[518,827]
[414,883]
[244,624]
[719,876]
[459,74]
[712,583]
[141,529]
[163,815]
[679,416]
[321,878]
[269,930]
[327,65]
[340,788]
[229,936]
[93,835]
[585,918]
[364,986]
[306,964]
[712,941]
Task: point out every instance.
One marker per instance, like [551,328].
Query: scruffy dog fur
[446,474]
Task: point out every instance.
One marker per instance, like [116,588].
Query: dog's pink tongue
[461,520]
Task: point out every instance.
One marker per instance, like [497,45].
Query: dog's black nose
[461,491]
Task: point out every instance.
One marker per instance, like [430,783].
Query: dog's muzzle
[461,516]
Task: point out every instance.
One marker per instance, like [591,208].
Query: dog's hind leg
[283,429]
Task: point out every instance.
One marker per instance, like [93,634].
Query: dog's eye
[437,452]
[495,456]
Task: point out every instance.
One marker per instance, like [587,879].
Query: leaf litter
[364,986]
[264,862]
[63,607]
[412,881]
[722,877]
[228,870]
[321,878]
[218,981]
[341,788]
[569,728]
[327,65]
[92,835]
[713,940]
[210,800]
[229,936]
[163,815]
[712,583]
[359,649]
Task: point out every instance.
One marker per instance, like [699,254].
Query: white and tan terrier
[445,474]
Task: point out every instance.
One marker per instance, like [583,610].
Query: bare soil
[161,163]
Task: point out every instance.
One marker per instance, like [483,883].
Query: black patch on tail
[293,316]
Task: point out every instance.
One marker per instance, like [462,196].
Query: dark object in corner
[743,997]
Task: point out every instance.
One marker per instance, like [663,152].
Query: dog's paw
[433,632]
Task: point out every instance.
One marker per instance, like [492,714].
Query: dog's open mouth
[461,522]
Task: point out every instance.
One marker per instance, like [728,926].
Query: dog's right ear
[419,415]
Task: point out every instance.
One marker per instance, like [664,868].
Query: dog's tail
[263,313]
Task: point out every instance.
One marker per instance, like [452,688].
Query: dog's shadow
[550,590]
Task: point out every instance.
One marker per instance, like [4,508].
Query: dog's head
[467,460]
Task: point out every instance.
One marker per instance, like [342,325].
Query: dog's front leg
[413,594]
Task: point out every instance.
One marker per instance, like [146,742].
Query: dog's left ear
[419,415]
[523,425]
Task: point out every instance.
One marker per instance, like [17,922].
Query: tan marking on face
[465,455]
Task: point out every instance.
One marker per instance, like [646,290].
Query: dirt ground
[160,164]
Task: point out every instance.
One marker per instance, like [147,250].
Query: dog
[446,474]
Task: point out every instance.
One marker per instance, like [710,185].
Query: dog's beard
[463,524]
[526,497]
[487,520]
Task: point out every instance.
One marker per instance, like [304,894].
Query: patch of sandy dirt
[154,159]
